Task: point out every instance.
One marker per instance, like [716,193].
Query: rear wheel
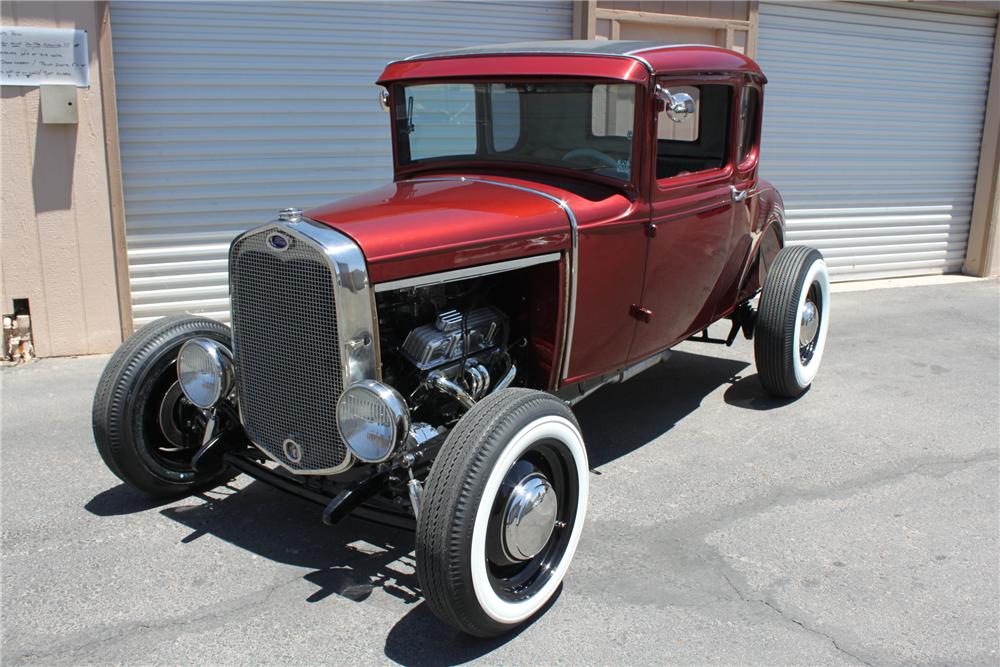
[145,428]
[502,512]
[792,321]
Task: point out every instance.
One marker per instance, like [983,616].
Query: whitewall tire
[502,512]
[792,321]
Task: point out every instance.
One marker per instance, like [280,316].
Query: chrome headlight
[373,419]
[205,371]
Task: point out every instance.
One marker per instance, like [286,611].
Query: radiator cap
[290,214]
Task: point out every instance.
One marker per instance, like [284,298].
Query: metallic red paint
[672,60]
[700,59]
[468,67]
[415,227]
[685,249]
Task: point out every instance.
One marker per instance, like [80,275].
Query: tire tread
[776,320]
[109,416]
[451,499]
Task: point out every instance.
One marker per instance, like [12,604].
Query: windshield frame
[446,165]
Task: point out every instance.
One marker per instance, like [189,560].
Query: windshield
[585,127]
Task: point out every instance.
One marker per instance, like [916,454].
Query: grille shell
[293,311]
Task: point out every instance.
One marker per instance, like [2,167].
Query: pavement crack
[785,616]
[130,631]
[789,495]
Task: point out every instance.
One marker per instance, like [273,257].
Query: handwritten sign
[36,56]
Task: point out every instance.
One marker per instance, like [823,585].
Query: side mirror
[679,105]
[383,99]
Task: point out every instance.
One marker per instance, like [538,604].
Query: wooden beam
[112,152]
[585,19]
[629,16]
[984,229]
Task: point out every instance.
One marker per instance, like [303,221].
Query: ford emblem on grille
[277,241]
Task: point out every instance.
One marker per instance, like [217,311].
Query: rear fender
[769,238]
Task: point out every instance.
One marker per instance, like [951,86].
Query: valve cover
[433,345]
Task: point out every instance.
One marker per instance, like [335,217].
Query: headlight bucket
[205,371]
[373,419]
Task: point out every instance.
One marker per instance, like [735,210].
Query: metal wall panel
[873,118]
[230,111]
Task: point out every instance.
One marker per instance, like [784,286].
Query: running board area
[576,392]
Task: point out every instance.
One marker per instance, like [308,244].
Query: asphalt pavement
[858,524]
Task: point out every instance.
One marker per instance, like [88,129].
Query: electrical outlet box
[59,105]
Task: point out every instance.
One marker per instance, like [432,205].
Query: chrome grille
[287,351]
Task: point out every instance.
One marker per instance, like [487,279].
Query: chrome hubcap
[809,325]
[529,518]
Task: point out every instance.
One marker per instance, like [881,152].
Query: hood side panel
[417,227]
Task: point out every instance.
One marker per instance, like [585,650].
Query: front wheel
[502,512]
[145,428]
[792,321]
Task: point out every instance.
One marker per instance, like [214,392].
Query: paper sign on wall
[36,56]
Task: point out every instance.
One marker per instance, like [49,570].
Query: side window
[442,120]
[505,110]
[749,114]
[686,129]
[699,141]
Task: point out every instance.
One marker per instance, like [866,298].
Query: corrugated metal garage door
[872,126]
[230,111]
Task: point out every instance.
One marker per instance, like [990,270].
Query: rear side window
[699,141]
[749,115]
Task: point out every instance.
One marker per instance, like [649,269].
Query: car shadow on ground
[123,499]
[356,557]
[619,419]
[746,392]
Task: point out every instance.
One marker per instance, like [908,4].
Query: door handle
[738,195]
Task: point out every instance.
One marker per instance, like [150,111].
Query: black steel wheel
[502,512]
[792,321]
[145,429]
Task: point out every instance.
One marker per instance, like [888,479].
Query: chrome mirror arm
[679,105]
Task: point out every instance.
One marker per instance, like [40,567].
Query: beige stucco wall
[57,247]
[731,24]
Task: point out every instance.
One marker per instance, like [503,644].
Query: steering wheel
[603,158]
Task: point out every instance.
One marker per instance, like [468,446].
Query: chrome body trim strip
[674,46]
[570,318]
[355,312]
[642,60]
[461,274]
[348,460]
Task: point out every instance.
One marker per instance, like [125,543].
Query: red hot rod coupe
[561,215]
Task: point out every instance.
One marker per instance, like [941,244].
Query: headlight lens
[205,371]
[373,419]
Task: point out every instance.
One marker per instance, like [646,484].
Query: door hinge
[640,313]
[651,230]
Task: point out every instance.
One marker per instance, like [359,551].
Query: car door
[692,216]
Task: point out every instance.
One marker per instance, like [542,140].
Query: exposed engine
[453,350]
[453,335]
